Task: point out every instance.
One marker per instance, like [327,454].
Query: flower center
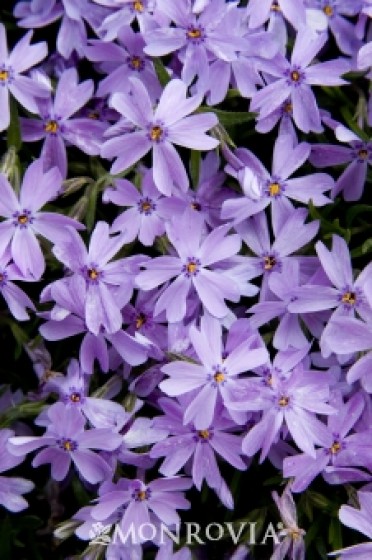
[75,397]
[94,115]
[156,133]
[283,401]
[269,262]
[67,444]
[275,7]
[4,75]
[194,33]
[93,274]
[335,447]
[295,534]
[140,320]
[51,127]
[141,495]
[196,206]
[191,268]
[136,63]
[146,206]
[274,189]
[349,298]
[363,154]
[138,6]
[22,219]
[328,10]
[219,377]
[203,434]
[288,107]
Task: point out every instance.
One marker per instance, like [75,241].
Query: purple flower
[23,219]
[294,79]
[15,298]
[259,11]
[159,130]
[213,381]
[66,441]
[191,269]
[11,488]
[360,520]
[292,545]
[12,66]
[57,127]
[134,501]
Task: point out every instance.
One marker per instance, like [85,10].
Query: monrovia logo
[192,533]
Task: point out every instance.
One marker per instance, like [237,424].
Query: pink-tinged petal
[3,43]
[328,73]
[86,134]
[27,254]
[17,301]
[306,47]
[168,169]
[38,187]
[128,149]
[59,460]
[71,96]
[305,109]
[53,154]
[8,200]
[336,263]
[158,271]
[190,132]
[173,299]
[212,289]
[137,107]
[32,129]
[201,410]
[91,466]
[24,55]
[5,111]
[93,348]
[174,104]
[164,41]
[58,330]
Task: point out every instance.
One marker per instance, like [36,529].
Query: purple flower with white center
[23,219]
[340,451]
[66,441]
[58,126]
[12,66]
[360,520]
[270,257]
[292,545]
[158,130]
[191,269]
[196,38]
[121,61]
[144,218]
[294,79]
[212,381]
[107,283]
[262,188]
[184,444]
[11,488]
[68,319]
[134,502]
[338,288]
[15,298]
[72,34]
[259,11]
[341,28]
[143,12]
[292,401]
[358,156]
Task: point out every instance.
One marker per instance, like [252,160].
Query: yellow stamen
[4,75]
[75,397]
[194,33]
[138,6]
[283,401]
[191,267]
[94,115]
[288,107]
[219,377]
[328,10]
[195,206]
[335,448]
[136,62]
[295,76]
[274,189]
[142,495]
[295,534]
[22,219]
[67,445]
[93,274]
[140,320]
[275,7]
[145,206]
[156,133]
[349,297]
[51,126]
[204,434]
[269,262]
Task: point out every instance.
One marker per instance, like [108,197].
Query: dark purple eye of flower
[363,154]
[67,444]
[140,320]
[349,298]
[283,401]
[288,107]
[51,127]
[269,262]
[94,115]
[146,206]
[136,63]
[195,206]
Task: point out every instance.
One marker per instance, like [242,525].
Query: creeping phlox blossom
[184,273]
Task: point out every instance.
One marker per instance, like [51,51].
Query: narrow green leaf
[195,161]
[14,131]
[228,118]
[161,72]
